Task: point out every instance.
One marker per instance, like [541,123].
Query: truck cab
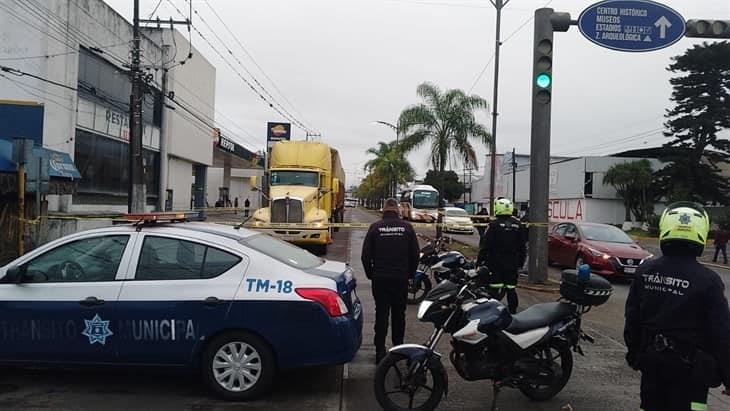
[306,192]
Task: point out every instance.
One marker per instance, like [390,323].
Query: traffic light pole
[546,22]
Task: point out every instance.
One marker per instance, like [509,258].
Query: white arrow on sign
[663,24]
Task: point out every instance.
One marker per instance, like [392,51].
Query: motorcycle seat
[539,315]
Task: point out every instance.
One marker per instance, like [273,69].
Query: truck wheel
[238,366]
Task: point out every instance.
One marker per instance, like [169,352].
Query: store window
[104,166]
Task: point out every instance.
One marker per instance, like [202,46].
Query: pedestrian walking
[235,205]
[246,205]
[503,252]
[389,257]
[721,238]
[677,327]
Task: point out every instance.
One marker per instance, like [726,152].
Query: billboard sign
[278,131]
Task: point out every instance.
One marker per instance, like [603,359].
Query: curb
[716,265]
[539,288]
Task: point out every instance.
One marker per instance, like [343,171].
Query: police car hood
[332,270]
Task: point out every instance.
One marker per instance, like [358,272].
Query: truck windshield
[425,199]
[294,178]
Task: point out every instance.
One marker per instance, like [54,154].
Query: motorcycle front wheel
[557,360]
[398,389]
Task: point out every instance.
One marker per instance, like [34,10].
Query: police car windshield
[282,251]
[294,178]
[609,234]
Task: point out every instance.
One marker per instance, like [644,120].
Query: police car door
[178,294]
[64,310]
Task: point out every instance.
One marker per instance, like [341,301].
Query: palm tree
[390,164]
[446,121]
[632,181]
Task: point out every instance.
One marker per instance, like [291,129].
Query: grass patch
[467,250]
[635,232]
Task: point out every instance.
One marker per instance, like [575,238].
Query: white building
[577,192]
[84,47]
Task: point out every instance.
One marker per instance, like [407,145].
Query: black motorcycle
[530,351]
[419,284]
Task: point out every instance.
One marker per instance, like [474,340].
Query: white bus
[420,203]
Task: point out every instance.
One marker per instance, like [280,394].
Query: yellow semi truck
[306,185]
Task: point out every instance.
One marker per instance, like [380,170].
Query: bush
[653,222]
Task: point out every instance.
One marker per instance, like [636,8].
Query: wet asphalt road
[600,380]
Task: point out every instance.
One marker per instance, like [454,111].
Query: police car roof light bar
[142,219]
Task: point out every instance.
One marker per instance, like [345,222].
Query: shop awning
[59,163]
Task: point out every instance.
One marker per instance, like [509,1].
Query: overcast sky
[345,63]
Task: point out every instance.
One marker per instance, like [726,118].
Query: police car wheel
[238,366]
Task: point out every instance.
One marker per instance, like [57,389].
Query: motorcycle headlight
[425,305]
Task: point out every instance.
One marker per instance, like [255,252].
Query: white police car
[237,304]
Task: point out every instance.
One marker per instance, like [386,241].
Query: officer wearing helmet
[503,251]
[677,320]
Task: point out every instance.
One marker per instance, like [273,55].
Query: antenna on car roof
[245,220]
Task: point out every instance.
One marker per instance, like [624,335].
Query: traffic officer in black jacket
[503,250]
[677,319]
[390,257]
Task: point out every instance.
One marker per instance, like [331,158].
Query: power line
[238,73]
[271,100]
[632,137]
[520,27]
[21,73]
[253,60]
[61,25]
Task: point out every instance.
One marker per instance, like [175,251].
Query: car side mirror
[13,275]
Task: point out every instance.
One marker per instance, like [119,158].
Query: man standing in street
[677,319]
[390,257]
[503,252]
[482,220]
[721,238]
[246,205]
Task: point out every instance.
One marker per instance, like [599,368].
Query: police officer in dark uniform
[390,256]
[677,319]
[503,251]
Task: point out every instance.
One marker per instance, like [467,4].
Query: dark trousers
[666,390]
[720,248]
[390,301]
[504,282]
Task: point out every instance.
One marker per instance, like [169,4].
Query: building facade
[577,192]
[77,110]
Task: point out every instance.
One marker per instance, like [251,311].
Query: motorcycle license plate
[629,270]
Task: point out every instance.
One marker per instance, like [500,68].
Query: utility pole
[137,189]
[163,172]
[21,208]
[514,176]
[498,4]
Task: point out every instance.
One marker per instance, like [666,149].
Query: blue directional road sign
[631,25]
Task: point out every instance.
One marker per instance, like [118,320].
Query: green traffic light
[543,80]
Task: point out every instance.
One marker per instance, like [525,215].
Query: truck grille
[280,214]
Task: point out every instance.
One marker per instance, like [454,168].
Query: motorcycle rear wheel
[393,393]
[551,354]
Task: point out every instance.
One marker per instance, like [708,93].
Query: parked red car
[607,249]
